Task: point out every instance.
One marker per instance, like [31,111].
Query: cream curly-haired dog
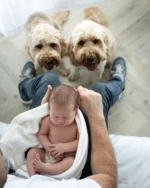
[45,43]
[91,45]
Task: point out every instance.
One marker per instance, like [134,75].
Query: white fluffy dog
[91,45]
[45,44]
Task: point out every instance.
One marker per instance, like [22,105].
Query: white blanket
[21,135]
[133,161]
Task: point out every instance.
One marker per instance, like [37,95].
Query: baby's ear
[77,110]
[27,48]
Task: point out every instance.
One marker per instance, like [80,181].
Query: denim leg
[110,93]
[35,88]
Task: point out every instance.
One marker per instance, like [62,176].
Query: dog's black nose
[90,59]
[49,62]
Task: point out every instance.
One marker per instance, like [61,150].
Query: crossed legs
[36,163]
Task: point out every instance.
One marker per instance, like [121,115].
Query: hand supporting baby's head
[63,105]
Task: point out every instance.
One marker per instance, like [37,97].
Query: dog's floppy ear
[27,48]
[71,53]
[63,47]
[110,43]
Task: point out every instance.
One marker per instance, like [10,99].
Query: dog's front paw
[66,72]
[73,77]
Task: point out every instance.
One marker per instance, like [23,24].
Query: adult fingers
[81,90]
[84,92]
[47,95]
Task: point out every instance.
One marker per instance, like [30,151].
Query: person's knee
[98,87]
[49,77]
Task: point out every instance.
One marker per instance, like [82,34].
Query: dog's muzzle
[49,63]
[91,63]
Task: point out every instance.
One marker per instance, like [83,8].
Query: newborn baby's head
[63,105]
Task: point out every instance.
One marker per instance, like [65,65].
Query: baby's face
[62,116]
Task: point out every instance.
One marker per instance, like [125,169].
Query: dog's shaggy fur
[45,44]
[91,44]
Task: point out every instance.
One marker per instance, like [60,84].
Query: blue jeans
[35,88]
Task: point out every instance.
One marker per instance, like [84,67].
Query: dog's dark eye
[81,43]
[95,41]
[39,46]
[52,45]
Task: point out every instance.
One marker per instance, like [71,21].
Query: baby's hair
[64,95]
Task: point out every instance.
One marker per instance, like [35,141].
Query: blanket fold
[21,135]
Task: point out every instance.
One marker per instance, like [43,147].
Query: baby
[58,134]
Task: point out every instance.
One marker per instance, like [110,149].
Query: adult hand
[47,95]
[90,102]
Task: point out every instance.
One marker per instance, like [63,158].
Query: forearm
[43,139]
[103,162]
[71,147]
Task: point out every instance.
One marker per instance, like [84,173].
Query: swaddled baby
[58,134]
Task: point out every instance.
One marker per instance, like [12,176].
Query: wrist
[96,118]
[45,146]
[64,148]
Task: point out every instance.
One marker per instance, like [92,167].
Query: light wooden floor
[130,23]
